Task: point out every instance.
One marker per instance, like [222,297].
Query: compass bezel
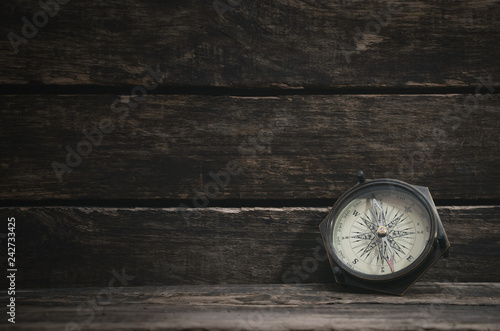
[375,185]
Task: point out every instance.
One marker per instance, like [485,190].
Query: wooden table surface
[168,162]
[460,306]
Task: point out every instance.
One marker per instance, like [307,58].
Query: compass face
[381,230]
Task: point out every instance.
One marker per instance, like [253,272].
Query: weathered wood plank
[76,247]
[293,44]
[290,147]
[443,306]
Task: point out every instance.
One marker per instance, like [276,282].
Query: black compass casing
[397,282]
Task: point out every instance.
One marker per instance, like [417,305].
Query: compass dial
[382,231]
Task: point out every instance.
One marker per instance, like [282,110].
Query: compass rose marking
[368,223]
[397,247]
[369,248]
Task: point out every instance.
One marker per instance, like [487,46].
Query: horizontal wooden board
[290,44]
[76,247]
[288,147]
[437,306]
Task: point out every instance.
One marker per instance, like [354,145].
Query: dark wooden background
[269,107]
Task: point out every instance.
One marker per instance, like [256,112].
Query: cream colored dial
[381,233]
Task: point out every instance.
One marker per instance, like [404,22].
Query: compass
[383,235]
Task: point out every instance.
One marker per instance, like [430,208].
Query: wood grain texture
[288,147]
[437,306]
[291,44]
[77,247]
